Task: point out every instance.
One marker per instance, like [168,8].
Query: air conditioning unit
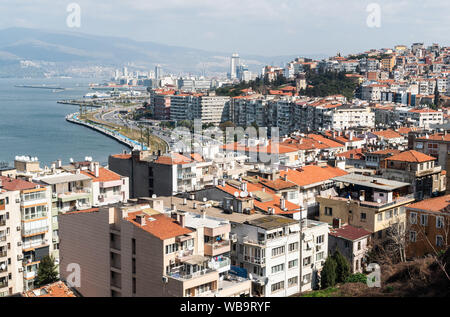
[17,200]
[165,279]
[54,195]
[20,269]
[19,243]
[18,228]
[20,257]
[318,247]
[54,239]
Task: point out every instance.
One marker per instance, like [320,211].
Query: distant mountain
[57,50]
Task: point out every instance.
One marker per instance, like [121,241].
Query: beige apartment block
[143,249]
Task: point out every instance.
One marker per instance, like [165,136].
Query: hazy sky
[264,27]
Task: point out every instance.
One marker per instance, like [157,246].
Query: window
[293,263]
[413,217]
[293,247]
[307,261]
[412,236]
[171,248]
[346,244]
[363,216]
[278,251]
[320,256]
[380,216]
[277,268]
[307,278]
[134,285]
[133,246]
[293,281]
[359,245]
[424,220]
[320,239]
[328,211]
[439,222]
[439,241]
[389,214]
[277,286]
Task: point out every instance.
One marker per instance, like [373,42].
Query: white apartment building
[346,117]
[282,256]
[424,118]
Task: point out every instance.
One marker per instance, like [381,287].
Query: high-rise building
[235,63]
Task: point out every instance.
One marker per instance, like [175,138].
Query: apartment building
[424,118]
[436,145]
[142,249]
[374,204]
[11,266]
[69,192]
[429,226]
[347,117]
[418,169]
[28,232]
[107,187]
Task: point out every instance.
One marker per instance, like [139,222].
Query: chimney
[192,196]
[182,220]
[97,170]
[283,203]
[92,167]
[264,189]
[194,206]
[1,184]
[285,177]
[140,219]
[174,207]
[58,163]
[185,201]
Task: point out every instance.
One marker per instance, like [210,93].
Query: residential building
[429,226]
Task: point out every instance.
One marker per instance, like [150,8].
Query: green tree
[47,271]
[342,267]
[436,96]
[328,275]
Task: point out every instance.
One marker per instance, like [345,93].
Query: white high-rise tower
[235,63]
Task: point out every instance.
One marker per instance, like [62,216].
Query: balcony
[400,200]
[258,243]
[4,283]
[3,254]
[2,222]
[2,238]
[35,231]
[182,275]
[186,176]
[74,195]
[222,265]
[216,248]
[254,259]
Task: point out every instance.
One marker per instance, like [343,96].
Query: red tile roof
[437,204]
[355,154]
[387,134]
[411,156]
[105,175]
[312,174]
[57,289]
[12,184]
[159,226]
[349,232]
[173,159]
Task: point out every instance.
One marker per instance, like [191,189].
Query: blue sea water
[32,123]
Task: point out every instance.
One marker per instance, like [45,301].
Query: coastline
[132,144]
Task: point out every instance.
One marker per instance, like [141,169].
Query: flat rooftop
[63,178]
[371,182]
[210,211]
[272,222]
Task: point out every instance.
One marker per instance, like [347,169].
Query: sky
[261,27]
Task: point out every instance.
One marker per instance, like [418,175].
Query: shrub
[356,278]
[342,267]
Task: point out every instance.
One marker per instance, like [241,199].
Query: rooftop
[159,225]
[411,156]
[12,184]
[438,204]
[272,222]
[371,182]
[349,232]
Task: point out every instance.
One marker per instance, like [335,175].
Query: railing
[3,254]
[2,238]
[37,216]
[3,284]
[185,276]
[2,222]
[187,176]
[249,241]
[218,245]
[220,264]
[376,205]
[254,259]
[34,231]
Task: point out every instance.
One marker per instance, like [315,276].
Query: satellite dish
[236,194]
[204,199]
[244,194]
[379,200]
[361,198]
[250,276]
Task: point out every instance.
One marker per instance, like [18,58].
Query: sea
[32,123]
